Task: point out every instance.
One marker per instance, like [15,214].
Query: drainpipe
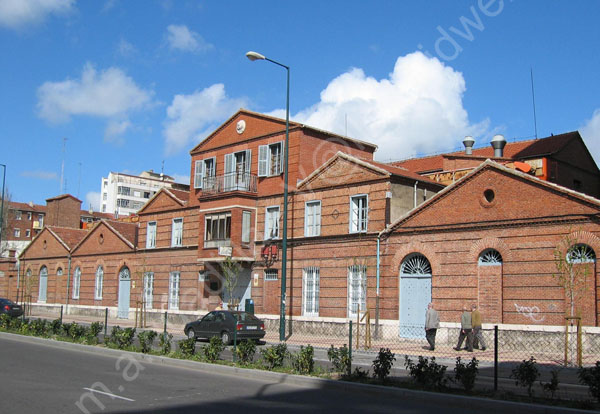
[68,284]
[415,193]
[18,279]
[377,292]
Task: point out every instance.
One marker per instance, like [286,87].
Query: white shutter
[281,157]
[263,160]
[229,172]
[198,174]
[248,163]
[317,220]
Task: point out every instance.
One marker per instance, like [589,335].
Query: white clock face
[241,126]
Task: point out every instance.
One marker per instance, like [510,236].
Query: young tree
[231,272]
[5,219]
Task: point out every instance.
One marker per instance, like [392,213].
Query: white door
[124,291]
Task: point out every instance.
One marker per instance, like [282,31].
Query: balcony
[216,185]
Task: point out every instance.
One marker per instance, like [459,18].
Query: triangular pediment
[48,243]
[104,238]
[342,169]
[242,126]
[496,195]
[163,200]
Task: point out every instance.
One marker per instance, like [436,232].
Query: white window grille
[99,282]
[272,223]
[174,290]
[151,235]
[312,219]
[415,264]
[311,291]
[76,282]
[357,289]
[359,212]
[581,253]
[490,257]
[148,289]
[270,274]
[177,232]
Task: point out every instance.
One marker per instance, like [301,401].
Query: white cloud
[125,48]
[115,129]
[417,109]
[17,13]
[590,133]
[182,179]
[179,37]
[106,94]
[191,117]
[93,200]
[41,175]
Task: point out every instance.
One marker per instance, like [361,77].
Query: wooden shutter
[263,160]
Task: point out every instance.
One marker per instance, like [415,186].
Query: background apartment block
[125,194]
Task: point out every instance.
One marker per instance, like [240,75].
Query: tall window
[246,216]
[270,159]
[177,232]
[237,171]
[272,223]
[18,215]
[217,227]
[174,290]
[312,218]
[357,289]
[151,235]
[148,289]
[43,284]
[76,282]
[204,173]
[310,291]
[359,211]
[99,282]
[59,272]
[17,233]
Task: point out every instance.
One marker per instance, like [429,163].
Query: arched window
[44,271]
[490,257]
[43,284]
[59,271]
[581,253]
[76,282]
[415,264]
[99,282]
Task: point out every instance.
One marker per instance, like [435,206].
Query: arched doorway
[415,294]
[124,292]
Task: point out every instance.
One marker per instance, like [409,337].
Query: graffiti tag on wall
[531,312]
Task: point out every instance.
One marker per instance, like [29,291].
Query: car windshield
[6,302]
[244,317]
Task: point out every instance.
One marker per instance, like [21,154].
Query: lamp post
[2,207]
[257,56]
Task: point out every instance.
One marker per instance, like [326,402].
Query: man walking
[466,330]
[432,323]
[476,323]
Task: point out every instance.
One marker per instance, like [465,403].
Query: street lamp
[2,207]
[257,56]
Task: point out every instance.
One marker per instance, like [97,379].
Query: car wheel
[225,337]
[191,334]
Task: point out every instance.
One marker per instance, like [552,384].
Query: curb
[442,399]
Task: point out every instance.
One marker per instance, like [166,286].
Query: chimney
[468,143]
[498,143]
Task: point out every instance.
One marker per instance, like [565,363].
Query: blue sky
[132,84]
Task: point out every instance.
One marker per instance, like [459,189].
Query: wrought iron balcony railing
[228,182]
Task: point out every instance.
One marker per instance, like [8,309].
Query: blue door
[415,295]
[124,290]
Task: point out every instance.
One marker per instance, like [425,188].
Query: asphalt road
[44,378]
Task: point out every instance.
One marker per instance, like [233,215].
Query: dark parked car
[224,323]
[10,308]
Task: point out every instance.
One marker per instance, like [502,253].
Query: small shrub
[427,374]
[164,343]
[122,338]
[465,374]
[274,356]
[382,365]
[5,321]
[245,351]
[304,361]
[340,359]
[96,328]
[76,332]
[17,323]
[552,386]
[591,378]
[187,346]
[55,327]
[359,374]
[526,374]
[146,339]
[212,351]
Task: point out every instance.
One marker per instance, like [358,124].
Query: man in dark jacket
[432,323]
[466,330]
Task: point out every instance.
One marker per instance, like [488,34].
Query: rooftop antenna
[533,97]
[162,170]
[62,167]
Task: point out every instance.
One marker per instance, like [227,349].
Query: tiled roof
[126,230]
[63,196]
[181,195]
[69,236]
[512,150]
[96,214]
[402,172]
[26,207]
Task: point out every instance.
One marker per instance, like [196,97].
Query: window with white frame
[148,289]
[17,233]
[359,211]
[177,232]
[246,216]
[43,290]
[18,215]
[27,233]
[76,282]
[217,229]
[59,272]
[357,289]
[272,223]
[312,218]
[310,291]
[99,282]
[151,235]
[270,159]
[174,290]
[237,171]
[29,215]
[270,274]
[205,173]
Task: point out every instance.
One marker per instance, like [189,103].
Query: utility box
[249,306]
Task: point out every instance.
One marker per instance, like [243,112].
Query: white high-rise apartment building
[125,194]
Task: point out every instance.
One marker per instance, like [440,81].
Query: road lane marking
[109,394]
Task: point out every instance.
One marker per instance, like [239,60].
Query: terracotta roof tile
[127,230]
[69,236]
